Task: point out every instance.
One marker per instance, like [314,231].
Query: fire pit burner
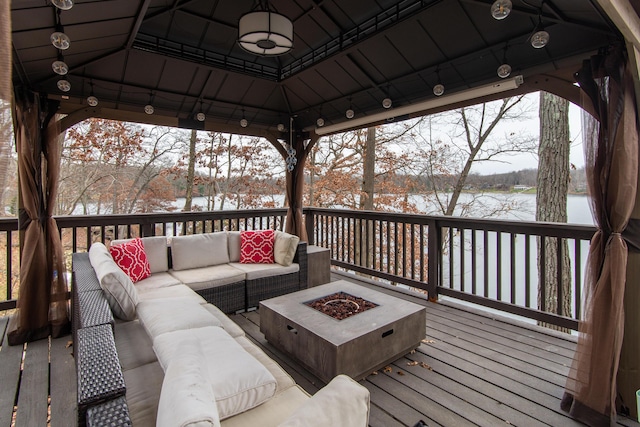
[340,305]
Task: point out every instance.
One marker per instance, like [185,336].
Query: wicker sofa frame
[100,381]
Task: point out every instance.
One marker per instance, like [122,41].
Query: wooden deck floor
[472,370]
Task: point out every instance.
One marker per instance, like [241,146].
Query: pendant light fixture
[500,9]
[149,107]
[504,70]
[58,38]
[91,99]
[263,31]
[64,85]
[540,36]
[243,121]
[60,67]
[438,89]
[62,4]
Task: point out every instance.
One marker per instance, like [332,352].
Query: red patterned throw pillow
[256,247]
[132,259]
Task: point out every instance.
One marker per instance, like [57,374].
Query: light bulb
[60,40]
[60,67]
[320,122]
[243,122]
[386,103]
[63,4]
[92,100]
[504,71]
[501,9]
[149,109]
[350,113]
[539,39]
[64,85]
[438,89]
[200,116]
[281,127]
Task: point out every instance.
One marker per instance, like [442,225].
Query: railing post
[434,257]
[309,220]
[146,229]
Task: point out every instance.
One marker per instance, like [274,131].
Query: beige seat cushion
[156,280]
[258,271]
[167,315]
[272,412]
[117,286]
[283,379]
[234,246]
[199,250]
[133,344]
[209,277]
[227,324]
[239,381]
[143,393]
[171,292]
[341,403]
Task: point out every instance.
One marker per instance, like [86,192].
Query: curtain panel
[611,160]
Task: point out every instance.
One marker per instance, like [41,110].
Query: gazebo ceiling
[182,56]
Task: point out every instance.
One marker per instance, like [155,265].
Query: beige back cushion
[116,285]
[284,248]
[234,246]
[155,247]
[199,250]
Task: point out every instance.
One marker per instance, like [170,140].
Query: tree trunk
[190,171]
[364,233]
[551,201]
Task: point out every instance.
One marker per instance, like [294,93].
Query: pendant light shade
[92,100]
[60,40]
[438,89]
[500,9]
[350,113]
[200,116]
[281,127]
[264,32]
[504,71]
[63,4]
[244,122]
[149,109]
[386,103]
[64,85]
[60,67]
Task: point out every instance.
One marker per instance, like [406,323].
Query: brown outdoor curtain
[5,52]
[42,306]
[295,188]
[611,158]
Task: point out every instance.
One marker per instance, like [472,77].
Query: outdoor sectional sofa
[158,352]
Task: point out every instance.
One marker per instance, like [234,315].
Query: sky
[513,162]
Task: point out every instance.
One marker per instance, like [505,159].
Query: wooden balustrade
[492,263]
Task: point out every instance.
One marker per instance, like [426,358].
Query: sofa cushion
[117,286]
[256,246]
[209,277]
[155,281]
[186,400]
[271,412]
[156,249]
[239,381]
[133,344]
[341,403]
[171,292]
[199,250]
[227,324]
[168,315]
[258,271]
[284,248]
[143,393]
[132,259]
[283,379]
[234,246]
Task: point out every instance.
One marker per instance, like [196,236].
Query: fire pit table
[374,328]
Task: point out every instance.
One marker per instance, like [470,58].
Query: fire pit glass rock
[340,305]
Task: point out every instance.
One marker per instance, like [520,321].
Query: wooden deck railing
[488,262]
[492,263]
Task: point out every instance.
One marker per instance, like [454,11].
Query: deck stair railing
[487,262]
